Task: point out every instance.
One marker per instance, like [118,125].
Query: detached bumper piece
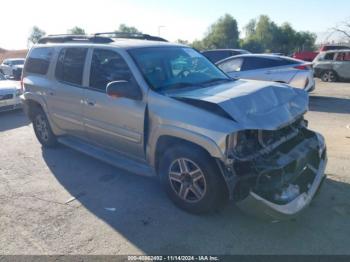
[280,185]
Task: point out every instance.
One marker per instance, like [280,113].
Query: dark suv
[217,55]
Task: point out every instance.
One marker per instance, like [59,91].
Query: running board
[107,156]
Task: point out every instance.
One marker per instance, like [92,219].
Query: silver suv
[332,66]
[156,108]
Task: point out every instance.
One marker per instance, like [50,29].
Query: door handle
[51,93]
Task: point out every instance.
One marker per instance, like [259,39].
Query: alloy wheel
[187,180]
[41,127]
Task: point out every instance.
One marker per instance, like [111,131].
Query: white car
[9,94]
[275,68]
[12,67]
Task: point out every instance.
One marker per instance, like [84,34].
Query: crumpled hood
[253,104]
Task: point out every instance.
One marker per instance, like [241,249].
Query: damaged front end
[275,174]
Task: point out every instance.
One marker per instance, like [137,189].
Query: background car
[216,55]
[12,67]
[9,94]
[331,66]
[311,55]
[281,69]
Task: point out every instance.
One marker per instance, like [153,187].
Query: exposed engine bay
[272,169]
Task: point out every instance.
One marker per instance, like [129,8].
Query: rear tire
[43,129]
[329,76]
[192,179]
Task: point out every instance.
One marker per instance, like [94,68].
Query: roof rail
[97,38]
[74,38]
[140,36]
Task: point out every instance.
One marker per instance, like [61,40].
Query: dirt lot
[120,213]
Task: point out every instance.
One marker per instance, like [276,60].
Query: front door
[115,123]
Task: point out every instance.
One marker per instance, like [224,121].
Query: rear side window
[343,56]
[233,65]
[70,65]
[252,63]
[329,56]
[39,60]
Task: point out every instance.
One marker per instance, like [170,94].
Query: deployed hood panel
[253,104]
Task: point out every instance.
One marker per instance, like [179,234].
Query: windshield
[17,62]
[167,68]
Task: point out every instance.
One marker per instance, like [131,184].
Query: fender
[27,96]
[215,150]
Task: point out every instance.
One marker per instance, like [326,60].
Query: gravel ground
[62,202]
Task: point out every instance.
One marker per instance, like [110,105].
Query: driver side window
[107,66]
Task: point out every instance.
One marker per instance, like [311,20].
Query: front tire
[43,130]
[329,76]
[192,179]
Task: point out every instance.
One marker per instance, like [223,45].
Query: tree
[183,42]
[35,35]
[76,31]
[263,35]
[343,28]
[128,29]
[223,34]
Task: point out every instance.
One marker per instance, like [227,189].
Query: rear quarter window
[39,60]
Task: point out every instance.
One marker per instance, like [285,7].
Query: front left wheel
[192,179]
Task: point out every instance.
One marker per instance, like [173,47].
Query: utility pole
[160,27]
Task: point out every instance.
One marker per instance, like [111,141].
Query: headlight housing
[243,143]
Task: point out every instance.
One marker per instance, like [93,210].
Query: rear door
[65,95]
[342,65]
[115,123]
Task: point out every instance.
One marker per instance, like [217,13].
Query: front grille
[6,97]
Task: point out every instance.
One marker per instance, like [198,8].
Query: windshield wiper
[214,80]
[179,85]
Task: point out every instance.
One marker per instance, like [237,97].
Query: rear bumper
[304,166]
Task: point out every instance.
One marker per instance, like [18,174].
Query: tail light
[302,67]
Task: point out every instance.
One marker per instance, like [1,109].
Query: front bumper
[302,165]
[10,104]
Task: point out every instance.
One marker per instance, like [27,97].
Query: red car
[310,55]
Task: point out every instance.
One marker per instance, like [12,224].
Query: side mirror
[124,89]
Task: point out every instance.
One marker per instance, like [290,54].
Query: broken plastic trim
[262,207]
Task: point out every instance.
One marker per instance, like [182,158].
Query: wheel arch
[166,141]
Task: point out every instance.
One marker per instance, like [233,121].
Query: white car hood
[8,86]
[253,104]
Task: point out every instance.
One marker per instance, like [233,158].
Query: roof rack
[140,36]
[102,38]
[74,38]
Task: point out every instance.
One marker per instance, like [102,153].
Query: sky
[173,19]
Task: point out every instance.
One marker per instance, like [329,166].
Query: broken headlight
[243,143]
